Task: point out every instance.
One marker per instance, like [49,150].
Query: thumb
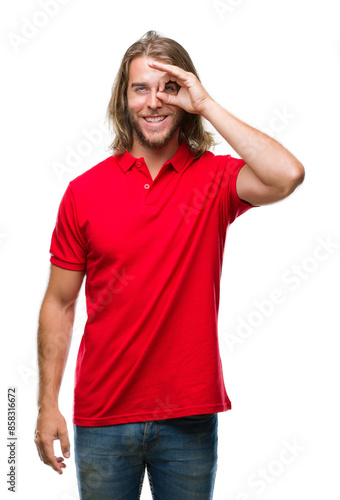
[166,98]
[65,444]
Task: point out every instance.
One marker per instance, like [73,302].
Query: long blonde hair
[169,51]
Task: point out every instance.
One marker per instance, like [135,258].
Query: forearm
[271,162]
[54,339]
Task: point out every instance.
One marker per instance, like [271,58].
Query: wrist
[209,108]
[48,406]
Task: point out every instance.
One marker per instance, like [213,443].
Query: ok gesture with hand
[192,96]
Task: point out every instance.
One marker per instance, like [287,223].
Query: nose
[153,101]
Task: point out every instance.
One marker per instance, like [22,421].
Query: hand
[51,425]
[192,96]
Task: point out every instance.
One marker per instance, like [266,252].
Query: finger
[170,68]
[60,461]
[38,447]
[65,443]
[166,98]
[39,453]
[169,80]
[162,83]
[49,457]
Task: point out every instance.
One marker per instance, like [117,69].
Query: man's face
[154,123]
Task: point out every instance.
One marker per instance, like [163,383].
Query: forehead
[139,71]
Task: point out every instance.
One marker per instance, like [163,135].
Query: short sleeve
[68,247]
[233,205]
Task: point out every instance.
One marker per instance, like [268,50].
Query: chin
[152,142]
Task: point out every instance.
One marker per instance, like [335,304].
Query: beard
[155,144]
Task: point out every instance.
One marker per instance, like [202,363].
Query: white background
[258,59]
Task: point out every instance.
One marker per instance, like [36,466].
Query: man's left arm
[271,172]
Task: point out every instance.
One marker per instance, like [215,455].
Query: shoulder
[225,163]
[98,173]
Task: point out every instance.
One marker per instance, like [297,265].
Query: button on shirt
[152,250]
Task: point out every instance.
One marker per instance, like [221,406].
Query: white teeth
[156,119]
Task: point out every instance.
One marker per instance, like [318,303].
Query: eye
[170,88]
[140,89]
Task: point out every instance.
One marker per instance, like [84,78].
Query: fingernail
[67,453]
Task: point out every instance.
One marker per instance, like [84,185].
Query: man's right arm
[54,339]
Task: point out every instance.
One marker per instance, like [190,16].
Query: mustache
[155,114]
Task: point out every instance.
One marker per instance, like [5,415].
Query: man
[147,226]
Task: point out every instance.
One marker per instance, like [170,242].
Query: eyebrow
[138,85]
[144,84]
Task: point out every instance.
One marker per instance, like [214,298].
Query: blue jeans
[180,455]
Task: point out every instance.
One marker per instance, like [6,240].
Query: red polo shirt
[153,252]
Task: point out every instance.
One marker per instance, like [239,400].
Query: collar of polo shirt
[178,161]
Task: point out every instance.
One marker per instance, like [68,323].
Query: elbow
[296,177]
[298,174]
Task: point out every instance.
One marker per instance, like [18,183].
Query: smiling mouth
[154,119]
